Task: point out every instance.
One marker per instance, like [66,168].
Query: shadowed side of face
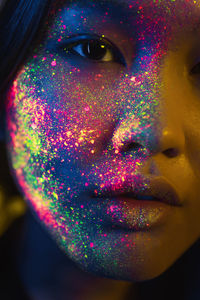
[111,93]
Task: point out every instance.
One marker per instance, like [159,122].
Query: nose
[165,141]
[152,131]
[152,141]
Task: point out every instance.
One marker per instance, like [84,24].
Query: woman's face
[108,100]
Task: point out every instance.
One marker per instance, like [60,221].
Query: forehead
[184,13]
[159,5]
[163,18]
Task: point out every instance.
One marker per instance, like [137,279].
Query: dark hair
[19,21]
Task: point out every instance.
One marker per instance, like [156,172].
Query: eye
[94,49]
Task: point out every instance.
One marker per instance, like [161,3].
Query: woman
[102,134]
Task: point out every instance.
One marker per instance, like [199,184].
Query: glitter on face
[77,127]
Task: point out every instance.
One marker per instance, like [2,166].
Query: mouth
[137,197]
[153,189]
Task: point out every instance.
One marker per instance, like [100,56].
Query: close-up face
[107,107]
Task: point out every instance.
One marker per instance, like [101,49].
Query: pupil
[94,50]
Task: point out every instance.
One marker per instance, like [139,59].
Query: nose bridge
[148,118]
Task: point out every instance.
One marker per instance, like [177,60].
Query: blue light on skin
[70,117]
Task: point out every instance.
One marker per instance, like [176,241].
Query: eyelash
[75,46]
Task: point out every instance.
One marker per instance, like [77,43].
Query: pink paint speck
[87,108]
[53,63]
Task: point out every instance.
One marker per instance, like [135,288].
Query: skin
[70,122]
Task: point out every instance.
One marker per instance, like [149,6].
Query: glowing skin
[72,123]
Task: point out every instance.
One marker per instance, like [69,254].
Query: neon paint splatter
[78,127]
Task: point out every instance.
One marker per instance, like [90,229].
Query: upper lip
[157,187]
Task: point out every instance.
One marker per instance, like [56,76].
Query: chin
[132,271]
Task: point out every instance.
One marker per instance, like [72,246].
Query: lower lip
[136,215]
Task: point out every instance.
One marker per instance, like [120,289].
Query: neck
[47,273]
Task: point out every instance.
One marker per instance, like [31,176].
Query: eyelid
[72,41]
[68,41]
[77,38]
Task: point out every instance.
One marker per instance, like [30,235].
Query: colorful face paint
[99,104]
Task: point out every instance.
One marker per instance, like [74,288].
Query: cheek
[43,147]
[50,144]
[54,133]
[63,109]
[54,117]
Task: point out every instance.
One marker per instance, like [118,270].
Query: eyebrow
[116,2]
[122,9]
[121,5]
[125,9]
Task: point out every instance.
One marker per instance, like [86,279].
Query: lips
[150,188]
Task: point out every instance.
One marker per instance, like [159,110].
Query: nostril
[171,152]
[130,147]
